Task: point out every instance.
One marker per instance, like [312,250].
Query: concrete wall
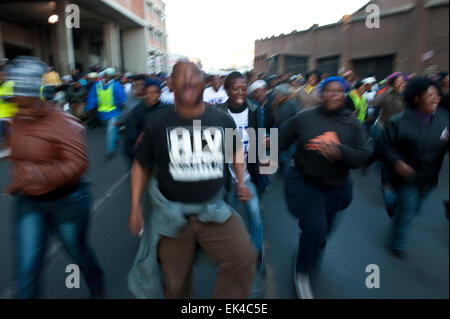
[111,44]
[134,50]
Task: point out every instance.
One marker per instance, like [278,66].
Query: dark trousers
[35,221]
[407,206]
[315,207]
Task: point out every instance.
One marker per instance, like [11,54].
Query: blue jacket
[119,99]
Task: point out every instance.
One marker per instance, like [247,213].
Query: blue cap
[338,79]
[152,82]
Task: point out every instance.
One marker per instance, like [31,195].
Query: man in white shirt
[246,115]
[167,95]
[215,94]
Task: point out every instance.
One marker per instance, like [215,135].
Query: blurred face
[216,83]
[77,85]
[429,101]
[152,94]
[333,96]
[273,83]
[313,80]
[188,84]
[29,108]
[237,92]
[139,88]
[259,95]
[399,84]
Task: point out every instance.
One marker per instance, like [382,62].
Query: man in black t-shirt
[186,143]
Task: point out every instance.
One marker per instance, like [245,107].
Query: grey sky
[222,33]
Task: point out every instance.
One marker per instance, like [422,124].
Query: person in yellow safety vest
[108,97]
[7,109]
[359,102]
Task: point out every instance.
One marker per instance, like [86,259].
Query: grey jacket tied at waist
[167,218]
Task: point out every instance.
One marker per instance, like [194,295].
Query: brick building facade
[413,37]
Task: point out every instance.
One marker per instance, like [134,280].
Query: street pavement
[358,241]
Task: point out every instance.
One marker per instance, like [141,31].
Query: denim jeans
[375,131]
[112,134]
[35,221]
[409,201]
[316,208]
[253,212]
[286,158]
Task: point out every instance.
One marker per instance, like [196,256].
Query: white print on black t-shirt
[189,160]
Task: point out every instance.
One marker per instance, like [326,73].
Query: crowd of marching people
[327,126]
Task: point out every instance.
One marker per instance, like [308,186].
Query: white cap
[110,71]
[370,80]
[256,85]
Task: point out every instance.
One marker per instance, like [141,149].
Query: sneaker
[303,286]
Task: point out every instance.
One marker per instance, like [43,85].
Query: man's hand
[330,151]
[403,169]
[243,193]
[136,222]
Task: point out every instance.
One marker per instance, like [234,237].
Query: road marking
[99,202]
[56,246]
[269,282]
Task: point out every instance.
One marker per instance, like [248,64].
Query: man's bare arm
[139,178]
